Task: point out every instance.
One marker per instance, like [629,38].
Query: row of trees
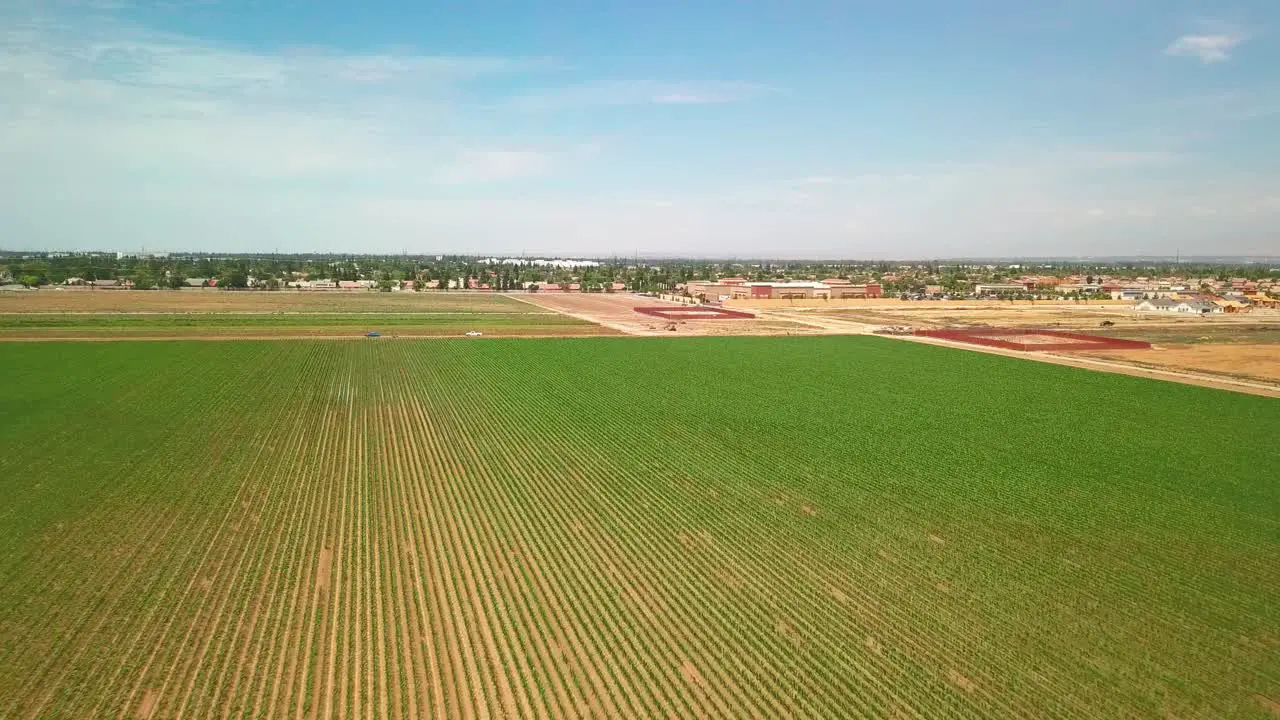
[637,275]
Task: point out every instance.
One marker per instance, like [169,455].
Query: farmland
[170,325]
[212,314]
[627,527]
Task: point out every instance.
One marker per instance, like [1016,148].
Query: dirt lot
[617,311]
[1249,361]
[1115,363]
[1082,316]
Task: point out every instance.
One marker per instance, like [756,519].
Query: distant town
[1195,287]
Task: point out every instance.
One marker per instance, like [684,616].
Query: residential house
[1202,307]
[1156,305]
[1232,306]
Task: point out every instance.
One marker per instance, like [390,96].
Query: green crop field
[716,527]
[272,324]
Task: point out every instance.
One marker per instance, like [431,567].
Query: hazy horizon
[928,130]
[1029,261]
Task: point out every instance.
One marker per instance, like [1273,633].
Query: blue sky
[833,129]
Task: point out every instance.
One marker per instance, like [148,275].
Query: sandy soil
[1084,316]
[1249,361]
[239,302]
[1092,361]
[1032,340]
[617,311]
[148,705]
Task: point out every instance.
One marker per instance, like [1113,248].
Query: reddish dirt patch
[694,312]
[148,705]
[1268,704]
[691,674]
[961,681]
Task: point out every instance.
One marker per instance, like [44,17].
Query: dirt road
[617,311]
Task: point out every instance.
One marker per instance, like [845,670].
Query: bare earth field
[1250,361]
[1073,316]
[1111,363]
[617,311]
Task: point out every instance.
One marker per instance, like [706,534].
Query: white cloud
[638,92]
[480,166]
[1209,48]
[685,99]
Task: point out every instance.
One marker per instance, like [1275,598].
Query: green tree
[233,278]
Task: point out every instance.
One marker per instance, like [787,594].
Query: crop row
[577,528]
